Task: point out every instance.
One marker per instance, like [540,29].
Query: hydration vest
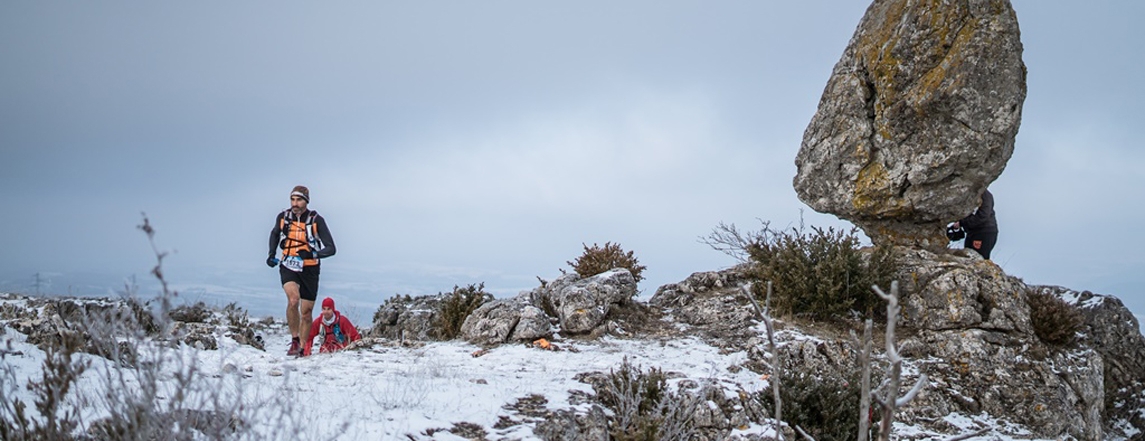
[297,235]
[335,330]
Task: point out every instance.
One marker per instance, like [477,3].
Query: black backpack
[955,234]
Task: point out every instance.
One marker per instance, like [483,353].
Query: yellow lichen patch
[884,129]
[874,194]
[872,187]
[960,366]
[935,80]
[875,49]
[954,299]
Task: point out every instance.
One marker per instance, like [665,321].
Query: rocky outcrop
[581,304]
[970,324]
[407,318]
[713,305]
[964,323]
[960,290]
[506,320]
[918,117]
[1113,331]
[570,305]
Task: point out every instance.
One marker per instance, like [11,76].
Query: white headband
[299,194]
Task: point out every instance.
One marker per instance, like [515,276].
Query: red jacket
[334,336]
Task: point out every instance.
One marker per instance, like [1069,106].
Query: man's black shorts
[307,280]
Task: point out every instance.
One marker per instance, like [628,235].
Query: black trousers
[984,239]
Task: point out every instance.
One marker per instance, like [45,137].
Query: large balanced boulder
[918,117]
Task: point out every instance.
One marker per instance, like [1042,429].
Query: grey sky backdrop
[465,142]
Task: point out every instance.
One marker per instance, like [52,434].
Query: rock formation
[569,305]
[967,326]
[917,118]
[576,305]
[506,320]
[404,318]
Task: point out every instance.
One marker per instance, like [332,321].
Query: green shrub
[597,259]
[825,405]
[643,409]
[823,273]
[456,307]
[1055,321]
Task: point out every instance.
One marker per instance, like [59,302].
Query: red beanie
[328,303]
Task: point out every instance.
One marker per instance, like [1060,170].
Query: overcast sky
[466,142]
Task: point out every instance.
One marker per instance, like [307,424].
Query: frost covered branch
[889,403]
[775,368]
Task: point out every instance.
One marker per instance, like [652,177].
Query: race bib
[293,263]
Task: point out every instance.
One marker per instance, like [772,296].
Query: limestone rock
[713,305]
[1014,377]
[581,304]
[570,425]
[406,318]
[918,117]
[195,334]
[1113,331]
[505,320]
[961,290]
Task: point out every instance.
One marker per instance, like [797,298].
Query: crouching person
[335,329]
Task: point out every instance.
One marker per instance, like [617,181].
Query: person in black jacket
[304,238]
[981,226]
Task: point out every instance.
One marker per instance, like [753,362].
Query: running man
[304,238]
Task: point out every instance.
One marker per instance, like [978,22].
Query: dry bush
[240,328]
[456,307]
[1055,322]
[597,259]
[162,394]
[56,421]
[197,313]
[643,409]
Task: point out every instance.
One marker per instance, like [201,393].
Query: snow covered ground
[386,391]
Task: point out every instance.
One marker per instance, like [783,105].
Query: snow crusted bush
[643,407]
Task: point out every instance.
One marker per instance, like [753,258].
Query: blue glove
[271,261]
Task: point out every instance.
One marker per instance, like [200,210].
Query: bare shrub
[643,407]
[55,421]
[1055,322]
[456,307]
[240,328]
[161,394]
[597,259]
[196,313]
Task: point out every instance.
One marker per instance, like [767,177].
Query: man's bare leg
[292,303]
[305,319]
